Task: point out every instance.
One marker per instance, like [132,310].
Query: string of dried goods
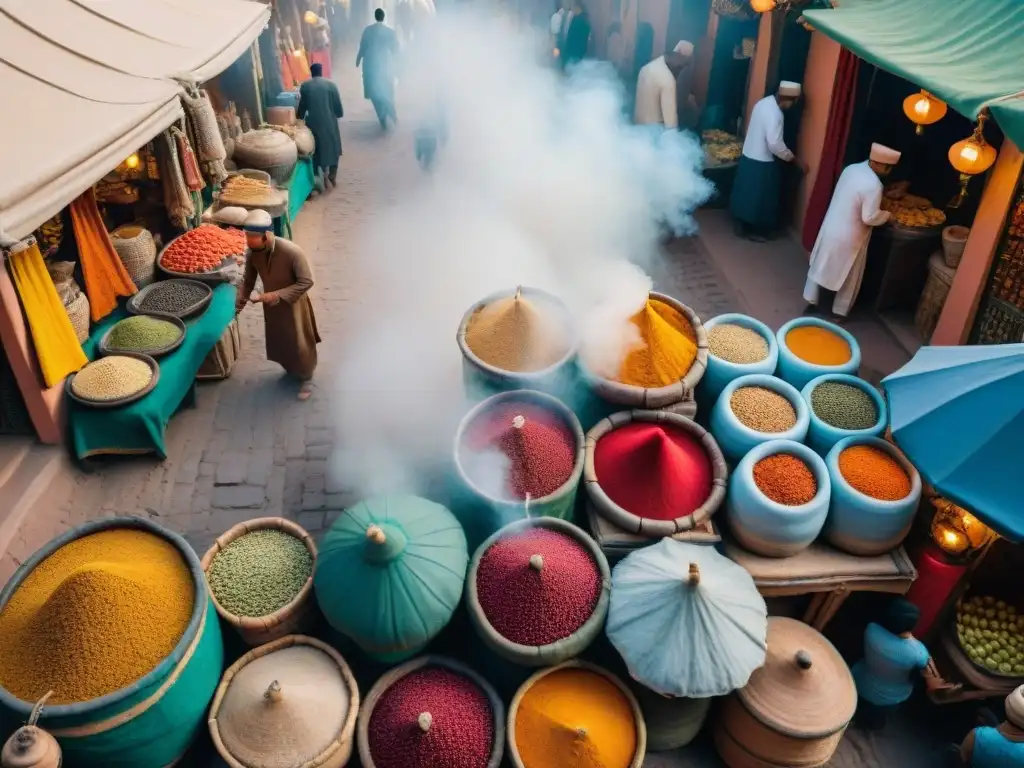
[991,633]
[142,333]
[763,409]
[874,473]
[204,249]
[173,297]
[260,572]
[737,344]
[112,378]
[94,617]
[843,406]
[667,350]
[785,479]
[517,334]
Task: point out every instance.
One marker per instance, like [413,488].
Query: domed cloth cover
[686,620]
[390,574]
[287,704]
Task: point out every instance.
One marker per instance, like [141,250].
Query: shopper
[378,48]
[320,106]
[577,36]
[657,89]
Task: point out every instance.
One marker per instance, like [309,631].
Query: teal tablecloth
[300,186]
[138,428]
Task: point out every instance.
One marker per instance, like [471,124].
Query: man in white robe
[841,250]
[656,97]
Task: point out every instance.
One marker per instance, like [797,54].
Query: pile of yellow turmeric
[669,347]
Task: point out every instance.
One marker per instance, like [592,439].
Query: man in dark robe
[320,106]
[577,37]
[378,48]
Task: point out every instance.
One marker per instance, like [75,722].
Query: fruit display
[991,633]
[204,249]
[721,148]
[910,210]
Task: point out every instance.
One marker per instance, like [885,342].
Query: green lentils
[141,333]
[111,378]
[174,297]
[259,573]
[843,406]
[762,409]
[737,344]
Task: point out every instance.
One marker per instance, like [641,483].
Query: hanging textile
[209,147]
[187,159]
[833,153]
[105,275]
[323,58]
[53,337]
[177,197]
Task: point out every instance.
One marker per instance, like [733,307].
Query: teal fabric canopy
[969,53]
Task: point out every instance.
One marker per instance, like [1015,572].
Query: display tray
[904,231]
[220,275]
[133,304]
[105,348]
[104,404]
[964,658]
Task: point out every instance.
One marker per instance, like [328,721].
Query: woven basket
[340,751]
[638,716]
[137,250]
[304,141]
[396,674]
[265,148]
[78,314]
[291,618]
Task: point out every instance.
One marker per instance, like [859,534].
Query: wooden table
[827,574]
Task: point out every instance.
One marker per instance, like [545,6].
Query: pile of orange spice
[874,473]
[818,346]
[785,479]
[668,351]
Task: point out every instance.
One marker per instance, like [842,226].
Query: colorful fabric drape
[53,336]
[189,165]
[105,275]
[287,78]
[323,58]
[837,133]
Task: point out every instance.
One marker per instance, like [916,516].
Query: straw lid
[804,690]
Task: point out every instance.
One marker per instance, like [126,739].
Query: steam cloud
[542,182]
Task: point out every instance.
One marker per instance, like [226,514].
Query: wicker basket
[137,250]
[641,728]
[340,751]
[396,674]
[269,150]
[304,141]
[78,314]
[291,618]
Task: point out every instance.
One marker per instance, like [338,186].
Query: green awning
[969,53]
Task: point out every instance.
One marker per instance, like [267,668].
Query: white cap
[790,89]
[1015,707]
[883,154]
[258,221]
[684,48]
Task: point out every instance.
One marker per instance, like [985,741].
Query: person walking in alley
[841,250]
[378,48]
[755,190]
[657,88]
[320,106]
[291,330]
[577,36]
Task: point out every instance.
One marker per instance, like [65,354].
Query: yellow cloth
[57,347]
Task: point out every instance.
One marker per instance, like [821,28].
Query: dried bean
[141,333]
[112,378]
[737,344]
[260,572]
[843,406]
[762,409]
[173,298]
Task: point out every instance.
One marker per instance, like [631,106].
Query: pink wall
[759,66]
[957,317]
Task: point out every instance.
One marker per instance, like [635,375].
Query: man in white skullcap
[754,203]
[657,88]
[995,744]
[282,267]
[840,252]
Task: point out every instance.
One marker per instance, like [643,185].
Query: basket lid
[262,139]
[804,690]
[284,708]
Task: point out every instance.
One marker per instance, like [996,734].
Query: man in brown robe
[287,311]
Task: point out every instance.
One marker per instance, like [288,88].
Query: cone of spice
[520,334]
[668,349]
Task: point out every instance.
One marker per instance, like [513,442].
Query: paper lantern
[956,531]
[971,156]
[924,109]
[762,6]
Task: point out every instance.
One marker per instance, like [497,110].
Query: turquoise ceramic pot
[766,527]
[720,372]
[734,437]
[859,524]
[821,436]
[798,371]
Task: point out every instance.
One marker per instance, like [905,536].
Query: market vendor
[841,250]
[291,330]
[755,192]
[656,88]
[998,746]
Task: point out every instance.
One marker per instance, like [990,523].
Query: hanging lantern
[923,109]
[310,18]
[956,531]
[762,6]
[971,156]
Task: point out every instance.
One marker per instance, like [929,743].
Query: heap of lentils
[537,587]
[785,479]
[142,333]
[174,297]
[94,617]
[874,473]
[737,344]
[762,409]
[259,573]
[843,406]
[460,732]
[516,334]
[112,378]
[517,450]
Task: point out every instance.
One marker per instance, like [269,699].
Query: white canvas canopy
[87,82]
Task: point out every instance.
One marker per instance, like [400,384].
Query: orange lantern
[924,109]
[762,6]
[956,531]
[970,157]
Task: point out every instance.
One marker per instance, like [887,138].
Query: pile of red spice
[538,586]
[653,470]
[461,730]
[538,450]
[785,479]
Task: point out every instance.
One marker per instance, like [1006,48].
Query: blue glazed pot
[797,371]
[821,436]
[720,372]
[766,527]
[734,437]
[859,524]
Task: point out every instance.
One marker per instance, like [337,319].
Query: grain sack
[137,250]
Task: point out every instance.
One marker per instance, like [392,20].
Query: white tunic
[764,134]
[656,95]
[844,235]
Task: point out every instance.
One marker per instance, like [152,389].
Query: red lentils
[537,446]
[785,479]
[537,587]
[460,727]
[874,473]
